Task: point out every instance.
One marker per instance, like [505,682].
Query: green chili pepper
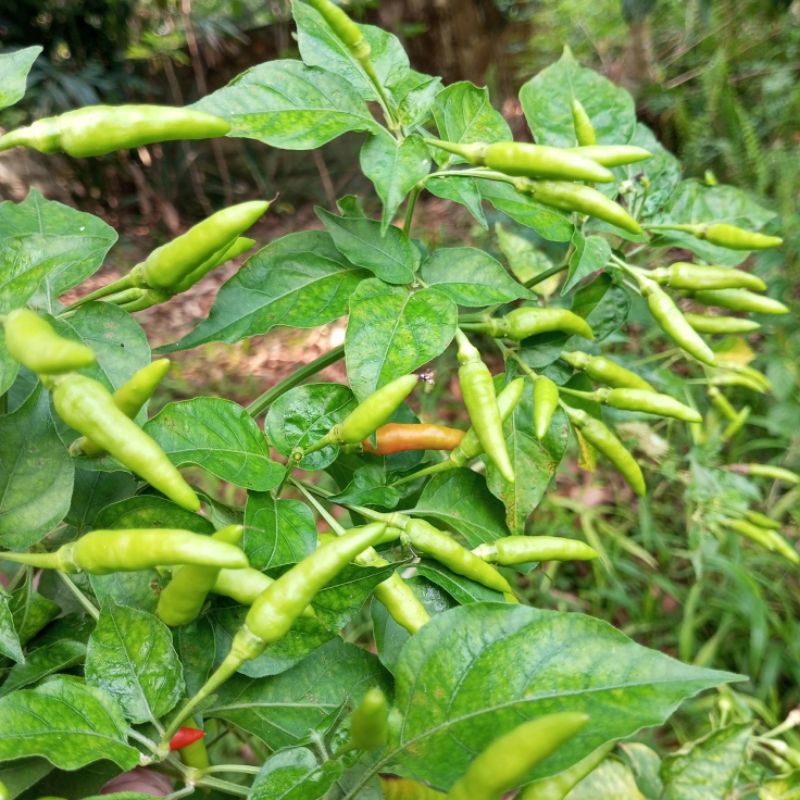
[612,155]
[282,602]
[344,28]
[757,518]
[33,342]
[606,371]
[725,235]
[723,378]
[557,787]
[395,788]
[506,762]
[88,407]
[705,324]
[531,160]
[97,130]
[545,403]
[129,399]
[195,755]
[369,722]
[673,323]
[651,402]
[722,404]
[744,369]
[183,597]
[477,389]
[736,424]
[576,197]
[239,245]
[245,585]
[528,321]
[584,130]
[684,275]
[101,552]
[765,471]
[601,438]
[766,537]
[740,300]
[446,550]
[520,549]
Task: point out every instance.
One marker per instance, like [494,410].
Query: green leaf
[536,460]
[23,774]
[130,655]
[368,488]
[709,768]
[464,113]
[304,415]
[14,69]
[645,764]
[67,722]
[55,657]
[31,611]
[294,774]
[469,659]
[525,259]
[9,641]
[389,255]
[287,104]
[591,253]
[321,47]
[277,532]
[610,779]
[549,223]
[547,97]
[663,171]
[93,491]
[393,331]
[151,511]
[415,94]
[300,280]
[459,498]
[693,201]
[36,474]
[219,436]
[465,191]
[343,597]
[394,169]
[461,589]
[138,589]
[280,711]
[471,277]
[196,648]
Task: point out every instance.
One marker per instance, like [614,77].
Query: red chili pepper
[184,737]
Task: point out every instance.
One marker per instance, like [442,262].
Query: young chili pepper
[765,471]
[520,549]
[757,518]
[530,160]
[545,403]
[470,446]
[584,130]
[102,552]
[650,402]
[612,155]
[722,404]
[88,407]
[576,197]
[344,28]
[684,275]
[766,537]
[506,762]
[282,602]
[601,438]
[367,416]
[477,389]
[182,599]
[557,787]
[725,235]
[737,424]
[32,341]
[528,321]
[750,372]
[129,399]
[740,300]
[398,437]
[97,130]
[184,737]
[673,323]
[606,371]
[722,325]
[245,585]
[369,722]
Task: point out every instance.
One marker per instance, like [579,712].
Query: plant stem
[224,786]
[543,276]
[80,596]
[265,400]
[242,768]
[412,204]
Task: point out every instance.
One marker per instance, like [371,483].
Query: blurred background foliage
[716,79]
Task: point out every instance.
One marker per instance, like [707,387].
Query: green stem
[433,469]
[265,400]
[321,510]
[187,791]
[39,560]
[103,291]
[543,276]
[412,204]
[592,396]
[224,786]
[242,768]
[80,596]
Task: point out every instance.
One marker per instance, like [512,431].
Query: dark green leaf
[67,722]
[415,94]
[219,436]
[591,253]
[461,589]
[390,255]
[393,331]
[469,658]
[368,488]
[93,492]
[294,774]
[36,474]
[289,105]
[196,649]
[277,532]
[9,641]
[549,223]
[31,611]
[465,191]
[151,511]
[14,69]
[344,596]
[55,657]
[23,774]
[130,655]
[645,764]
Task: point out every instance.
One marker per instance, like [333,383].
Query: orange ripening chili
[398,437]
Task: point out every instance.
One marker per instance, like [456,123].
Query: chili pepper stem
[103,291]
[39,560]
[433,469]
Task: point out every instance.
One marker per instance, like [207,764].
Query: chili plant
[138,607]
